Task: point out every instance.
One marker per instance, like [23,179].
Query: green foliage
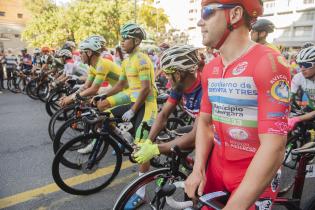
[52,25]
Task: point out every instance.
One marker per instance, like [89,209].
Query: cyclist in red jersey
[243,118]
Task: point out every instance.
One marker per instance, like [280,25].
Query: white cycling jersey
[307,85]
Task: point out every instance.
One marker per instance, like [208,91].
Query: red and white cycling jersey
[246,98]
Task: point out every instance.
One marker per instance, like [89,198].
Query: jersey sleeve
[295,83]
[91,74]
[123,70]
[174,97]
[205,105]
[101,73]
[272,79]
[144,68]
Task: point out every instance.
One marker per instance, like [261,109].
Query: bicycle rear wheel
[152,181]
[72,172]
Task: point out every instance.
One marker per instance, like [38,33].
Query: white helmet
[90,44]
[306,55]
[64,53]
[180,58]
[99,38]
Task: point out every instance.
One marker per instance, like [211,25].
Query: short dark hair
[247,19]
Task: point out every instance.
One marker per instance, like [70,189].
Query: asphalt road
[25,163]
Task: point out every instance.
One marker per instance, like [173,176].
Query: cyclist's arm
[307,116]
[119,86]
[161,120]
[91,90]
[184,142]
[262,169]
[143,94]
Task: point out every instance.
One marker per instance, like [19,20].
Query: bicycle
[167,187]
[107,139]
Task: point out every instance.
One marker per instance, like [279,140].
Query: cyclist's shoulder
[141,59]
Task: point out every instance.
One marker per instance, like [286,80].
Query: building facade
[294,21]
[13,19]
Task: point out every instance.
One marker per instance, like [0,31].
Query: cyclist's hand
[128,115]
[146,152]
[293,121]
[65,101]
[195,181]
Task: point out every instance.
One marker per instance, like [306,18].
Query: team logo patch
[263,204]
[238,134]
[280,91]
[276,181]
[240,68]
[283,61]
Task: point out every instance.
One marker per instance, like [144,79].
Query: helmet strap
[229,27]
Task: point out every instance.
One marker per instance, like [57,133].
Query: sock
[141,191]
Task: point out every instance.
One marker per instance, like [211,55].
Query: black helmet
[263,25]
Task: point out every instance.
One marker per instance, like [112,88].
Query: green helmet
[132,30]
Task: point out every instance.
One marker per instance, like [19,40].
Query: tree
[52,25]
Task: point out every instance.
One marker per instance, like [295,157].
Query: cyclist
[260,30]
[306,81]
[71,46]
[26,61]
[242,126]
[181,66]
[66,59]
[100,69]
[11,63]
[138,74]
[37,58]
[46,59]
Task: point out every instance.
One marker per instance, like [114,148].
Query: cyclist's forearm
[158,125]
[185,142]
[143,94]
[91,91]
[262,169]
[307,116]
[116,89]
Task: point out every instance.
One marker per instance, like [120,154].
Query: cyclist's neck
[94,60]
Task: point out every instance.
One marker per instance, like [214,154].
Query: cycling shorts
[226,175]
[119,99]
[147,113]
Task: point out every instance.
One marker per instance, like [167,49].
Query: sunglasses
[306,65]
[208,10]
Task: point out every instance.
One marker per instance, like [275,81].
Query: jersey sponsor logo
[280,91]
[263,204]
[240,146]
[240,68]
[143,62]
[276,115]
[276,181]
[238,134]
[280,128]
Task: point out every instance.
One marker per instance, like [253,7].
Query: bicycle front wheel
[152,181]
[76,174]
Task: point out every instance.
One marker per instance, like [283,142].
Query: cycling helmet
[90,44]
[36,50]
[70,44]
[99,38]
[64,53]
[182,58]
[132,30]
[254,8]
[306,55]
[23,49]
[307,44]
[45,49]
[263,25]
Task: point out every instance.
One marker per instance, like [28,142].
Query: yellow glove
[146,152]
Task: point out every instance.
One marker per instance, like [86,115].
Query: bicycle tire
[51,105]
[42,91]
[31,89]
[59,162]
[62,114]
[57,143]
[141,181]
